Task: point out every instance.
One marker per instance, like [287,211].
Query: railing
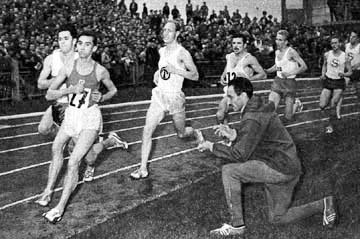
[21,85]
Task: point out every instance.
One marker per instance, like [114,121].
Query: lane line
[150,161]
[105,114]
[138,127]
[107,122]
[144,110]
[174,134]
[16,116]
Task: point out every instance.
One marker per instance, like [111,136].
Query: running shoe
[89,173]
[118,142]
[228,230]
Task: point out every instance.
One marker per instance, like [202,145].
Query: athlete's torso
[335,64]
[284,64]
[237,67]
[56,64]
[353,53]
[90,82]
[169,82]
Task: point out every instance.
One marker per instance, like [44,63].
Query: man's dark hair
[90,34]
[70,28]
[240,35]
[241,85]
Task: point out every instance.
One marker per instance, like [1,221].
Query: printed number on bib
[230,76]
[350,56]
[80,100]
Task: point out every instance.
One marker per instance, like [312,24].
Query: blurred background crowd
[130,38]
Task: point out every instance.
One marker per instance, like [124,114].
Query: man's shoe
[53,216]
[330,215]
[198,136]
[298,105]
[44,199]
[89,173]
[329,129]
[138,174]
[228,230]
[118,142]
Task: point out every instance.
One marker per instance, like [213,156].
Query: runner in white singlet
[335,68]
[175,64]
[239,63]
[352,51]
[287,65]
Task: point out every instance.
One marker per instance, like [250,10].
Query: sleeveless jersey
[284,65]
[353,53]
[56,65]
[169,82]
[335,65]
[91,83]
[240,69]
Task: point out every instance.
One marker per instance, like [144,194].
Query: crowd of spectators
[28,32]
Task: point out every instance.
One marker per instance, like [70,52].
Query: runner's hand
[225,131]
[205,145]
[79,88]
[223,81]
[96,96]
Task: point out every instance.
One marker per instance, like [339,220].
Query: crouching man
[262,151]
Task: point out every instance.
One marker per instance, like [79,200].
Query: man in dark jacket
[262,151]
[133,8]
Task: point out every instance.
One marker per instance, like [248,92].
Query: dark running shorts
[58,112]
[333,84]
[355,75]
[284,87]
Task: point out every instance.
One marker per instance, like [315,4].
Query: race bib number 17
[82,100]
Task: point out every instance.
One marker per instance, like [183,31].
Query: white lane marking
[6,117]
[107,122]
[138,127]
[152,160]
[174,134]
[105,114]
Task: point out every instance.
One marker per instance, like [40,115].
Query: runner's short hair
[176,23]
[284,33]
[90,34]
[70,28]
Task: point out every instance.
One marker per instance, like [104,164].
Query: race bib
[82,100]
[229,76]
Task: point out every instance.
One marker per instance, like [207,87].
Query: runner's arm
[191,72]
[259,71]
[109,84]
[301,63]
[54,92]
[44,83]
[271,69]
[348,67]
[324,67]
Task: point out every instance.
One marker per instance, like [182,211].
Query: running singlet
[240,69]
[335,65]
[353,53]
[169,82]
[56,65]
[284,64]
[91,83]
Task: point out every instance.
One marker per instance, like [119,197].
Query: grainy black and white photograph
[187,119]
